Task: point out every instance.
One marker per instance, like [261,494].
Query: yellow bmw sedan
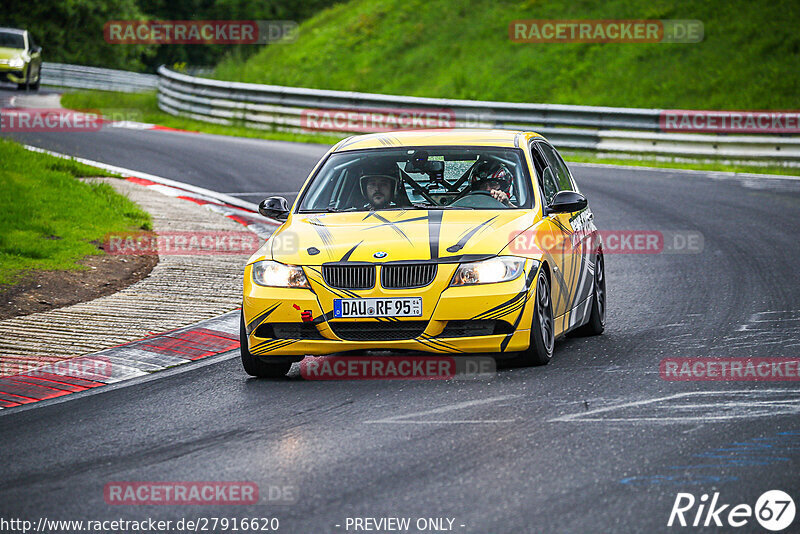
[20,58]
[426,241]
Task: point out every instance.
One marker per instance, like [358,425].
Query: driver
[379,190]
[494,177]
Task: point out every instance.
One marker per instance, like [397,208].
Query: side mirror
[566,202]
[274,208]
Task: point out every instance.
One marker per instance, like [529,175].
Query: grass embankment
[48,219]
[445,48]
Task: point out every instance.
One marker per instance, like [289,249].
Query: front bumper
[499,316]
[13,75]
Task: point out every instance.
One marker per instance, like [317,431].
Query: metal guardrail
[78,76]
[606,129]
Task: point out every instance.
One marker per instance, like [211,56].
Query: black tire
[255,366]
[24,86]
[35,87]
[597,317]
[540,351]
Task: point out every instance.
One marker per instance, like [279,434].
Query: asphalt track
[594,442]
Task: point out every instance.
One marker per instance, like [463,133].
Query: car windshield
[11,40]
[420,178]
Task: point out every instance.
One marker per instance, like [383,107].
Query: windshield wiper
[441,207]
[326,210]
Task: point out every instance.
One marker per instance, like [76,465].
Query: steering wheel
[480,193]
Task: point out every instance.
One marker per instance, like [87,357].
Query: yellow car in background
[20,58]
[439,241]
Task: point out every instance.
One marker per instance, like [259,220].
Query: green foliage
[48,218]
[443,48]
[71,31]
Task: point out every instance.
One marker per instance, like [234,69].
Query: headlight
[16,63]
[274,274]
[500,269]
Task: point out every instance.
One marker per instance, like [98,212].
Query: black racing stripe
[267,343]
[531,277]
[323,233]
[441,342]
[509,302]
[341,293]
[387,222]
[463,241]
[507,339]
[252,325]
[510,305]
[506,311]
[262,350]
[434,229]
[323,318]
[429,345]
[350,252]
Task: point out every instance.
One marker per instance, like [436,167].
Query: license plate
[398,307]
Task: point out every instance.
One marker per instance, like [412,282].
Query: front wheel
[540,350]
[254,366]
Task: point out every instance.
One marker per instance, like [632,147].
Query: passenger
[495,178]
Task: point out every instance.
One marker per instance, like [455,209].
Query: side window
[559,167]
[549,185]
[31,42]
[547,179]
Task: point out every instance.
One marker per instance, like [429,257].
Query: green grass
[444,48]
[143,107]
[48,218]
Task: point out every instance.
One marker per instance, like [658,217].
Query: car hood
[10,53]
[403,235]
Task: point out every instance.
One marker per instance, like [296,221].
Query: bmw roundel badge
[380,255]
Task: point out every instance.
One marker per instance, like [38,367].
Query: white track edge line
[153,178]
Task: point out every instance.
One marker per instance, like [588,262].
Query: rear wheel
[597,317]
[254,366]
[540,350]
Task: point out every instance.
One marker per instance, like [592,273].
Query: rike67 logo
[774,510]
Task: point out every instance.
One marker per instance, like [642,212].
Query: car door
[574,267]
[35,51]
[585,242]
[553,237]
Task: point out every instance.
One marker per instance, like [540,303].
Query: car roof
[12,30]
[441,137]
